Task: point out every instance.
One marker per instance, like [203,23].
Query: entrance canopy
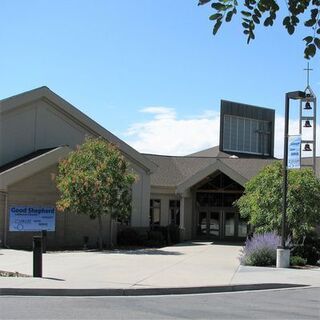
[214,167]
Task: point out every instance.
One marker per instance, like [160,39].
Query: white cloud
[160,112]
[166,133]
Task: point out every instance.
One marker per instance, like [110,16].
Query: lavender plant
[260,250]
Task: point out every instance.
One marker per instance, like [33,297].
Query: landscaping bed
[13,274]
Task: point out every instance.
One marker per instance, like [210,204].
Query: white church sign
[294,151]
[27,218]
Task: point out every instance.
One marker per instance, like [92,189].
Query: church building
[38,128]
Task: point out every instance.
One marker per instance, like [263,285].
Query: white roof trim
[200,175]
[45,93]
[32,166]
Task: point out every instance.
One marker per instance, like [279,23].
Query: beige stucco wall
[2,216]
[140,198]
[40,190]
[37,126]
[164,206]
[188,218]
[185,211]
[41,124]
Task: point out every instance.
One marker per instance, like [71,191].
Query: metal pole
[44,241]
[285,173]
[314,135]
[37,257]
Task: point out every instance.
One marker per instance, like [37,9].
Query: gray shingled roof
[173,170]
[211,152]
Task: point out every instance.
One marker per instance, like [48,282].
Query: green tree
[261,203]
[255,12]
[95,180]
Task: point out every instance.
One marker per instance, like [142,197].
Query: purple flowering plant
[260,250]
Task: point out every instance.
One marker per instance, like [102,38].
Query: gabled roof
[93,127]
[30,164]
[23,159]
[184,171]
[210,152]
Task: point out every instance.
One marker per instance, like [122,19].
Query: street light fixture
[283,254]
[307,96]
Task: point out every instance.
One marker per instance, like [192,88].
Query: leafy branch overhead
[255,12]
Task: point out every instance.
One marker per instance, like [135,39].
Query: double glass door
[221,224]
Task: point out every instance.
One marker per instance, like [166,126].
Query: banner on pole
[294,152]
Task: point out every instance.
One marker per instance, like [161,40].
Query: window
[174,212]
[246,135]
[242,228]
[155,212]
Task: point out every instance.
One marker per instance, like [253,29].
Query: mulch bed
[12,274]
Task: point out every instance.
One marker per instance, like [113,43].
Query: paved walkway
[199,264]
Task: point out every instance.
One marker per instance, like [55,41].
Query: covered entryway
[221,223]
[216,217]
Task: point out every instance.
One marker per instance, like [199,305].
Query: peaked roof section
[92,126]
[210,152]
[23,159]
[30,164]
[183,172]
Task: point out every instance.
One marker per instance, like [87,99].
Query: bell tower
[308,113]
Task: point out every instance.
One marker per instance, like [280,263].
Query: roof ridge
[208,157]
[25,92]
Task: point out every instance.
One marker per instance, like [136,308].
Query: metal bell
[307,124]
[307,147]
[307,106]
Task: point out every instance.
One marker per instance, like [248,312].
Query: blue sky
[149,71]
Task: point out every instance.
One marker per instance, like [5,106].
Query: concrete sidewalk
[188,265]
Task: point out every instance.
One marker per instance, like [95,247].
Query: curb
[144,291]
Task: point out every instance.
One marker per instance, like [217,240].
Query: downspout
[5,218]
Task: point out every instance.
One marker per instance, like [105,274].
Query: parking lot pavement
[187,265]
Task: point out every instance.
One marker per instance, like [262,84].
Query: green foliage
[309,249]
[264,12]
[95,180]
[261,203]
[297,261]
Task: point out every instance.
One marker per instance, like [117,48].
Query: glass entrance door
[202,224]
[229,224]
[214,223]
[209,223]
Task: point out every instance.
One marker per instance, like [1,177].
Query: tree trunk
[111,242]
[100,233]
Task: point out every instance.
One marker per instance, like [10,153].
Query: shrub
[297,261]
[260,250]
[156,238]
[156,235]
[129,237]
[309,250]
[174,233]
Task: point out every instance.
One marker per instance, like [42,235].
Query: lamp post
[283,254]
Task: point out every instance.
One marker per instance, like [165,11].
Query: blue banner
[25,218]
[294,151]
